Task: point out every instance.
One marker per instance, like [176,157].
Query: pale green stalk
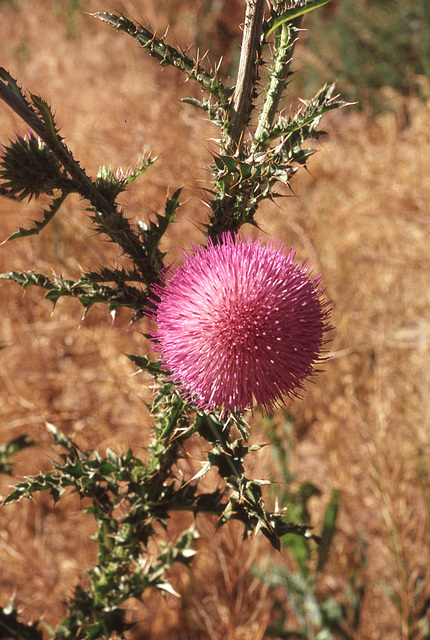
[278,80]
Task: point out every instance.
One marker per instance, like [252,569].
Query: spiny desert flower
[240,323]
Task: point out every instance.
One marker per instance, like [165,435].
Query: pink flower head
[240,323]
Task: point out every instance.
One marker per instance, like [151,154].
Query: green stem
[283,54]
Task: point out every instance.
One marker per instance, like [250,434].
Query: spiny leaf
[171,205]
[48,118]
[216,113]
[48,214]
[119,276]
[28,278]
[303,125]
[51,482]
[12,84]
[152,235]
[168,55]
[61,439]
[138,170]
[145,364]
[86,290]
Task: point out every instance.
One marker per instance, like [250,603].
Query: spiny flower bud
[240,323]
[28,168]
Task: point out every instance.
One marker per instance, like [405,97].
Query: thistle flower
[239,323]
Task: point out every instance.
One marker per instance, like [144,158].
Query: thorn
[217,68]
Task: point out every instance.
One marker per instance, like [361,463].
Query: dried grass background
[361,214]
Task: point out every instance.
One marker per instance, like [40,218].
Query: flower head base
[240,323]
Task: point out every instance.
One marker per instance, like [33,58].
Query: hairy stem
[248,70]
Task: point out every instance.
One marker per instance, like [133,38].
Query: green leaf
[86,290]
[206,466]
[48,214]
[151,235]
[145,364]
[138,170]
[217,114]
[61,439]
[171,205]
[12,84]
[290,14]
[51,482]
[48,118]
[27,278]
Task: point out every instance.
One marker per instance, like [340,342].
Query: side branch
[26,113]
[107,217]
[168,55]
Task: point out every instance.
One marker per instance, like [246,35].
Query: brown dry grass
[361,215]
